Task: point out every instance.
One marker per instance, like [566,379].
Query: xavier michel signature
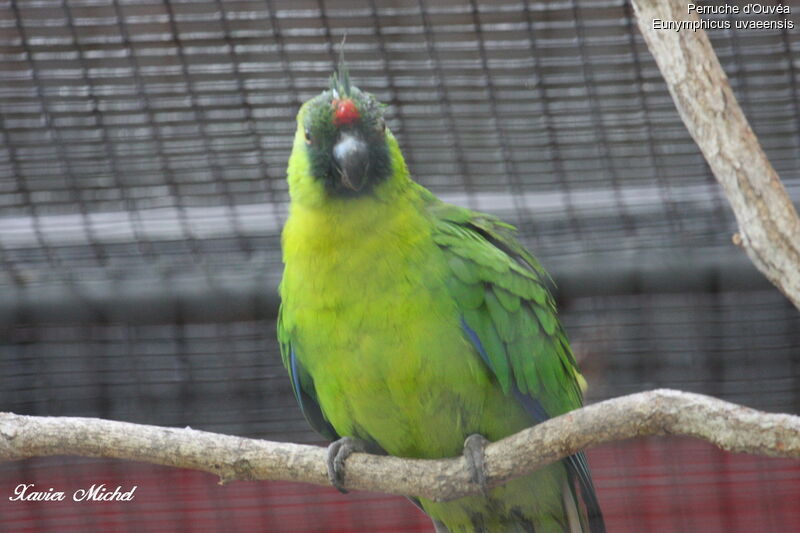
[27,492]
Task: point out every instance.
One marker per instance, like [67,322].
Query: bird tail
[590,517]
[574,522]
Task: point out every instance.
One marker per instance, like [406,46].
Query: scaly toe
[338,452]
[474,453]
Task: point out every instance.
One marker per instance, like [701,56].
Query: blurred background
[142,191]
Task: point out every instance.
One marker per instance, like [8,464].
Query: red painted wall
[651,485]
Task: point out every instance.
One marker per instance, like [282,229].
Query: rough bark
[660,412]
[769,228]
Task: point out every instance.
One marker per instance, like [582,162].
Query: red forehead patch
[344,112]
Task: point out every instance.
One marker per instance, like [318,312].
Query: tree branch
[769,228]
[660,412]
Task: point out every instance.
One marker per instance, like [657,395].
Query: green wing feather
[501,290]
[302,383]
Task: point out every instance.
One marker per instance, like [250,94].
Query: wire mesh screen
[142,192]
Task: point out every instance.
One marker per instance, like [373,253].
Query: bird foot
[338,452]
[474,453]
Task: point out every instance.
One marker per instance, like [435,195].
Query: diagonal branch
[769,228]
[660,412]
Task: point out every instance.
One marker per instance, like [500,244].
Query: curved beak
[351,158]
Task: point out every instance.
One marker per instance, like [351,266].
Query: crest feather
[340,81]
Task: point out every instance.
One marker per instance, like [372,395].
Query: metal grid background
[142,190]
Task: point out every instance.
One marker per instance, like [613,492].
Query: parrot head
[344,139]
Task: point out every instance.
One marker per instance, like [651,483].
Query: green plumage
[411,324]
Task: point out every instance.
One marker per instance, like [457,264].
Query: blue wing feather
[577,465]
[529,403]
[302,383]
[304,393]
[529,288]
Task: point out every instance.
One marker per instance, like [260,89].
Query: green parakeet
[411,324]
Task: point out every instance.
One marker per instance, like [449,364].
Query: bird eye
[308,136]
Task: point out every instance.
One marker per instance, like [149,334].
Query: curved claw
[474,447]
[338,452]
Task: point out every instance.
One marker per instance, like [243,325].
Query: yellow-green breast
[374,325]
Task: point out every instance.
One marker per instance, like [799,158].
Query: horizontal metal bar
[239,298]
[170,223]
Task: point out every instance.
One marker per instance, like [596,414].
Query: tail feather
[578,469]
[574,521]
